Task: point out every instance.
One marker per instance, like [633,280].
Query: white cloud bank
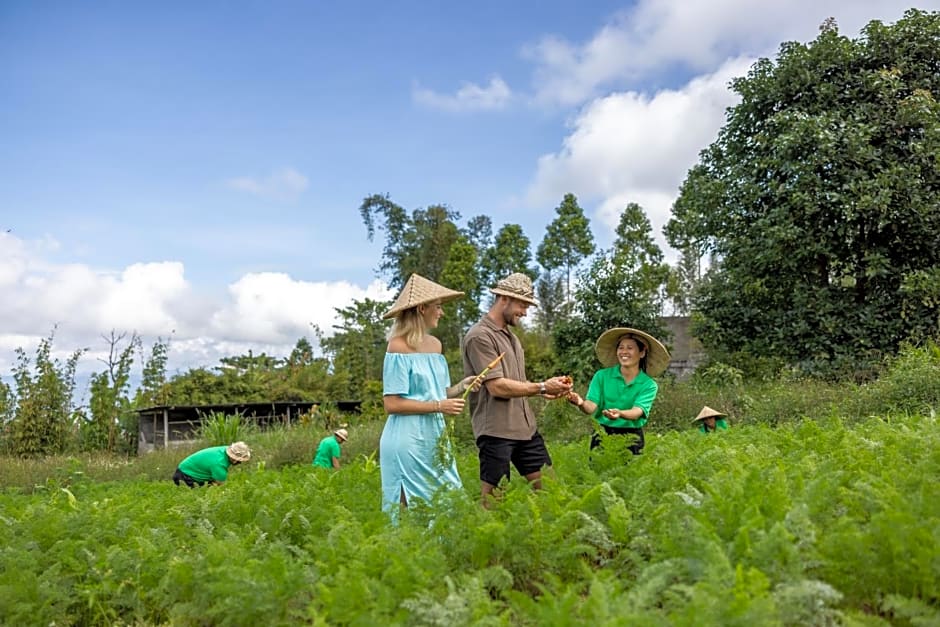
[635,147]
[264,312]
[655,36]
[635,144]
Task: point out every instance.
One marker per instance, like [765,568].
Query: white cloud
[655,36]
[274,308]
[470,97]
[265,312]
[634,147]
[283,185]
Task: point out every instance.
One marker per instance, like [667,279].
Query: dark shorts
[636,448]
[528,456]
[179,475]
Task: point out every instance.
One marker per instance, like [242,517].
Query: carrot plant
[821,521]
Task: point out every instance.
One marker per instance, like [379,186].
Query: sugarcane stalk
[479,378]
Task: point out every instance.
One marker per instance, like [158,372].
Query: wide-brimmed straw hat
[708,412]
[518,286]
[238,451]
[419,291]
[342,434]
[657,357]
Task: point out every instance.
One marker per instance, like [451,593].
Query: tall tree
[460,273]
[550,292]
[819,198]
[419,242]
[44,410]
[111,413]
[568,240]
[152,391]
[7,403]
[511,252]
[357,348]
[479,232]
[684,278]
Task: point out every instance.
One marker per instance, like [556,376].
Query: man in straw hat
[503,422]
[710,420]
[417,393]
[621,395]
[210,465]
[328,451]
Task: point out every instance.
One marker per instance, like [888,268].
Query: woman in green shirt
[621,395]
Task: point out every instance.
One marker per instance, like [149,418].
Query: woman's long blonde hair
[409,324]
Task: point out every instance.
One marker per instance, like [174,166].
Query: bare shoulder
[399,345]
[430,344]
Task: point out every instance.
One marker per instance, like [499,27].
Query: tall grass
[909,385]
[218,428]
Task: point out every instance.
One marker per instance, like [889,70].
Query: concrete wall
[686,351]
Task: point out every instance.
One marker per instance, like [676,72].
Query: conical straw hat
[708,412]
[657,357]
[418,291]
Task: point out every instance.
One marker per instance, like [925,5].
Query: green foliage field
[809,522]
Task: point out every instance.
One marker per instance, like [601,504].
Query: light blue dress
[408,453]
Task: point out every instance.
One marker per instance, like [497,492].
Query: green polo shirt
[209,464]
[720,423]
[609,391]
[328,449]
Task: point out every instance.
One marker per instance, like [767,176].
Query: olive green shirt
[510,418]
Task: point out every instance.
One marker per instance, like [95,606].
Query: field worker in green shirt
[329,451]
[621,395]
[210,465]
[710,420]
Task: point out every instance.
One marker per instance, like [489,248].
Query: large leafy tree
[419,242]
[430,243]
[622,287]
[568,240]
[820,199]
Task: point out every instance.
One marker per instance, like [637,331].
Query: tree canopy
[568,240]
[819,199]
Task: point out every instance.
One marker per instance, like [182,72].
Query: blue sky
[194,169]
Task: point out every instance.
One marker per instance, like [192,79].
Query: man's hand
[556,387]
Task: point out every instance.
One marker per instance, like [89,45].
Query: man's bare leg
[535,479]
[486,494]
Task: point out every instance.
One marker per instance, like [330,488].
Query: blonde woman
[417,394]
